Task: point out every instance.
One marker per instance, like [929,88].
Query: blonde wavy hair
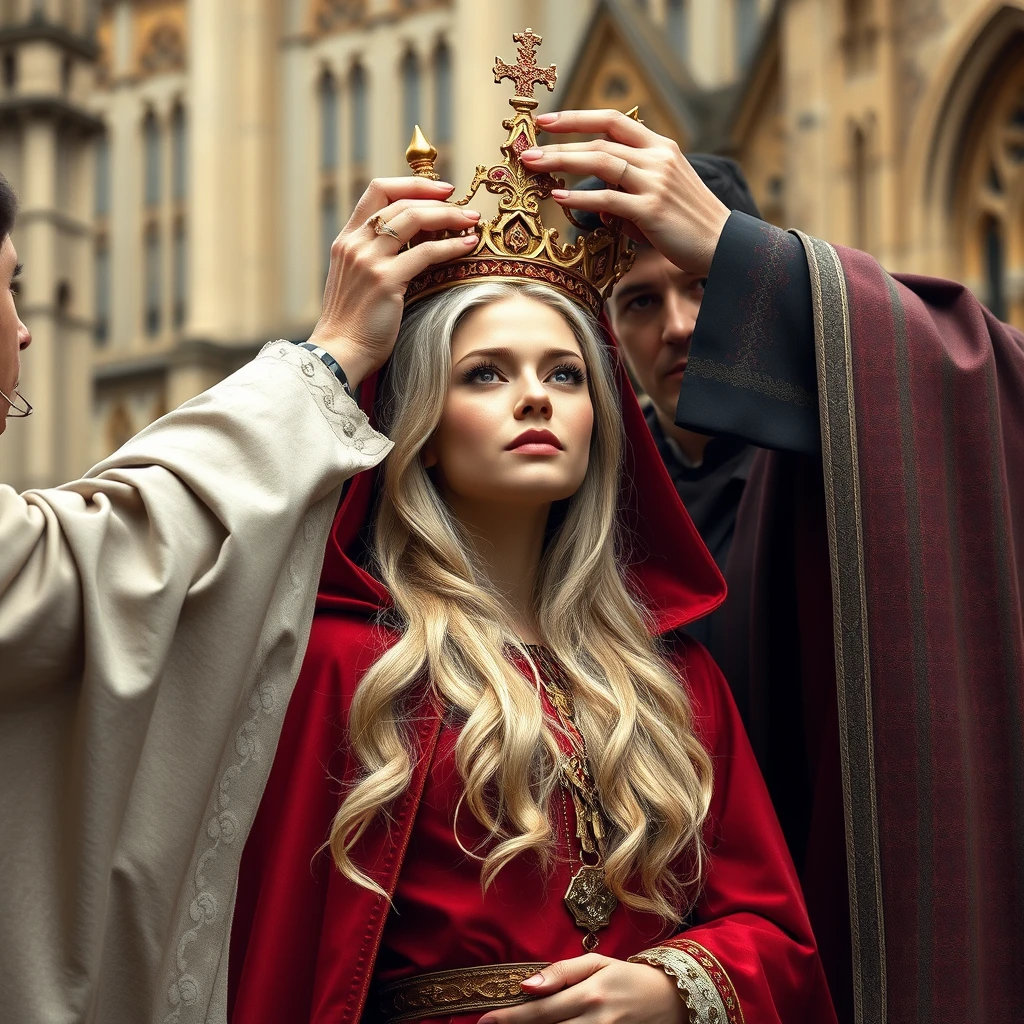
[653,775]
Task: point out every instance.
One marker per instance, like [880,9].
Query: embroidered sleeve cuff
[751,372]
[346,419]
[703,984]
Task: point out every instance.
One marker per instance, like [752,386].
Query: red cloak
[305,940]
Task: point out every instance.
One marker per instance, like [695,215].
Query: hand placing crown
[515,244]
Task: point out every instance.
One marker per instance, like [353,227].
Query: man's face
[653,310]
[14,335]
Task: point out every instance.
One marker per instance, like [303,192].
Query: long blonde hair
[653,775]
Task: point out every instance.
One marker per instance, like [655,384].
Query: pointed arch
[987,202]
[329,120]
[152,143]
[966,163]
[989,46]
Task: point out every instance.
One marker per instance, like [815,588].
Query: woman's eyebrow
[508,353]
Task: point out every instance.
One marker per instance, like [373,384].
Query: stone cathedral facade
[184,164]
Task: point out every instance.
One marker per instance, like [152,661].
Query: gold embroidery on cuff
[702,995]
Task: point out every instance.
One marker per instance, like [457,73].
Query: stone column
[77,328]
[37,249]
[258,153]
[803,80]
[297,203]
[214,169]
[480,106]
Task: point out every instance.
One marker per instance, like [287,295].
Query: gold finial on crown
[421,155]
[515,244]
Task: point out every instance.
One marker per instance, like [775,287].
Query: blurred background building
[184,164]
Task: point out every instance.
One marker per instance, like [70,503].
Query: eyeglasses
[20,407]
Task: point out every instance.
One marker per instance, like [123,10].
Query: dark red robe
[306,943]
[876,604]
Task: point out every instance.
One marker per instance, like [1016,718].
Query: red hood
[668,566]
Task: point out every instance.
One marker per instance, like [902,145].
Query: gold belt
[451,993]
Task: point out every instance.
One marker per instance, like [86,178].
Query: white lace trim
[697,989]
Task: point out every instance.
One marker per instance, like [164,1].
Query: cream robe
[153,619]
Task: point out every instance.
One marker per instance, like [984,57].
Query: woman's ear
[428,455]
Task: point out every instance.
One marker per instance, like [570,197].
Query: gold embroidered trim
[454,992]
[840,461]
[704,986]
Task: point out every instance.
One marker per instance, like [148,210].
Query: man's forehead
[650,268]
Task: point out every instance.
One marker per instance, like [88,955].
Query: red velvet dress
[307,944]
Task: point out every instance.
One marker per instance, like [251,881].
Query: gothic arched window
[101,330]
[179,269]
[677,27]
[859,34]
[410,95]
[328,122]
[746,30]
[859,183]
[994,256]
[154,281]
[360,114]
[329,226]
[152,158]
[101,201]
[987,196]
[442,94]
[179,153]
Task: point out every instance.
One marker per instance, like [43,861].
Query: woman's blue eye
[483,373]
[568,375]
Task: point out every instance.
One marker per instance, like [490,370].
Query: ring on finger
[382,227]
[622,173]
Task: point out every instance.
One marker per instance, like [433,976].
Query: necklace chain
[588,898]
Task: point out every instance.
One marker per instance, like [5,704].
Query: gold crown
[515,245]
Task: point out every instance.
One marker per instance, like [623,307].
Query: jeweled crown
[515,244]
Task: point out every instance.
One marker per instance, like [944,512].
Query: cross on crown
[515,245]
[525,73]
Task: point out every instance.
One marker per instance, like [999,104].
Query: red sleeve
[751,930]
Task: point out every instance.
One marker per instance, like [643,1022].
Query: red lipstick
[535,442]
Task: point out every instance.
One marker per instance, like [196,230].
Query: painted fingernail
[470,239]
[531,154]
[559,193]
[535,979]
[472,214]
[444,184]
[486,1020]
[546,118]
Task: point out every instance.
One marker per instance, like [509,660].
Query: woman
[512,755]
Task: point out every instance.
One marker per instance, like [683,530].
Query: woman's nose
[24,336]
[534,400]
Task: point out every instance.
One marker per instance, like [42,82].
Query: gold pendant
[590,902]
